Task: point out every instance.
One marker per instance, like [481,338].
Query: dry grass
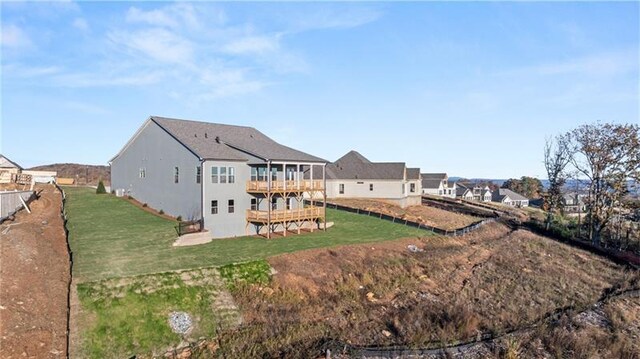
[427,215]
[492,281]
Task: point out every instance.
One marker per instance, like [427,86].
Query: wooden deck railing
[283,186]
[285,215]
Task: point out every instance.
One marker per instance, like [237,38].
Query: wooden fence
[12,201]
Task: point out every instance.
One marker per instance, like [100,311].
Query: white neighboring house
[509,198]
[8,169]
[354,176]
[464,192]
[438,184]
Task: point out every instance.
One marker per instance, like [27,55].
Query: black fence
[451,233]
[459,207]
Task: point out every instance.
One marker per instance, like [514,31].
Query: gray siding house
[234,179]
[509,198]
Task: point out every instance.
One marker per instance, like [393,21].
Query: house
[573,203]
[438,184]
[234,180]
[464,192]
[9,170]
[509,198]
[354,176]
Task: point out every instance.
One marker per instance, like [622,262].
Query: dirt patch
[430,216]
[491,282]
[34,278]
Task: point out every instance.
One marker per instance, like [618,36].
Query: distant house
[482,194]
[509,198]
[233,179]
[8,170]
[354,176]
[573,203]
[438,184]
[464,192]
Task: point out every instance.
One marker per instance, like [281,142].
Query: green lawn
[110,238]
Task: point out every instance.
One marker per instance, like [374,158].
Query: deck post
[324,196]
[269,199]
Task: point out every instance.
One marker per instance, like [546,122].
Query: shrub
[129,197]
[161,212]
[101,189]
[145,205]
[179,219]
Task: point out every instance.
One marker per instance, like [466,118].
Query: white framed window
[412,187]
[223,174]
[254,174]
[176,175]
[254,204]
[288,203]
[232,175]
[198,174]
[341,188]
[214,174]
[232,207]
[214,207]
[370,186]
[143,172]
[274,174]
[274,204]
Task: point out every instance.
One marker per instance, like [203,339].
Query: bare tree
[557,155]
[608,155]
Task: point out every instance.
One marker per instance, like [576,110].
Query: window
[143,172]
[341,188]
[223,174]
[254,204]
[290,174]
[274,174]
[288,203]
[214,174]
[412,187]
[176,175]
[198,174]
[262,174]
[214,207]
[360,182]
[440,192]
[274,204]
[370,186]
[254,174]
[231,206]
[232,175]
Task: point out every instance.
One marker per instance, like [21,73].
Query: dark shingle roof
[355,166]
[7,163]
[229,142]
[413,173]
[503,192]
[438,176]
[430,183]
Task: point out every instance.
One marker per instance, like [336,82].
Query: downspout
[203,195]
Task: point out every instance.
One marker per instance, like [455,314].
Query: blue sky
[471,89]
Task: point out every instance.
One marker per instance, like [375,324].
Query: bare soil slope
[491,282]
[34,277]
[84,174]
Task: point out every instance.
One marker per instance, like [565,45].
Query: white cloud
[13,36]
[22,71]
[80,24]
[253,45]
[174,16]
[326,17]
[81,79]
[155,43]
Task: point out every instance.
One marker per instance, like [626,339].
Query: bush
[129,197]
[161,212]
[179,218]
[101,189]
[145,205]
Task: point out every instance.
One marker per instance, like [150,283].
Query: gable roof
[431,183]
[462,190]
[413,173]
[215,141]
[353,165]
[7,163]
[501,193]
[438,176]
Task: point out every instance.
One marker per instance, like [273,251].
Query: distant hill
[84,174]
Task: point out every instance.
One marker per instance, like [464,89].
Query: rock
[180,322]
[371,297]
[267,291]
[386,333]
[414,249]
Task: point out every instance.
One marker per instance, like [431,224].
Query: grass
[111,238]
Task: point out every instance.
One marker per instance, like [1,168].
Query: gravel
[180,322]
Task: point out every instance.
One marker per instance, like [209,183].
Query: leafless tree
[608,155]
[557,155]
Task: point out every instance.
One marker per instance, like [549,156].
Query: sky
[468,88]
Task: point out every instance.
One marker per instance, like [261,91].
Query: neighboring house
[573,203]
[233,179]
[509,198]
[8,170]
[354,176]
[464,192]
[438,184]
[485,194]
